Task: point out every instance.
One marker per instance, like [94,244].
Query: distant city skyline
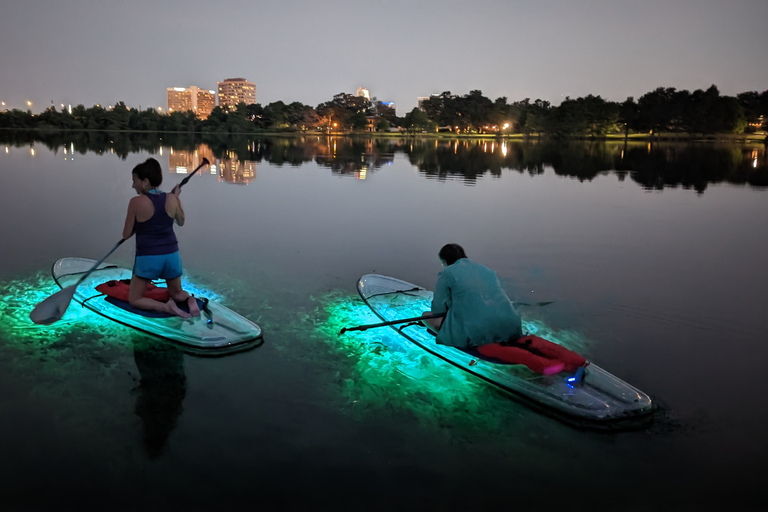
[77,53]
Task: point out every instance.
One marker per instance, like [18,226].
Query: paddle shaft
[118,244]
[391,322]
[540,304]
[185,180]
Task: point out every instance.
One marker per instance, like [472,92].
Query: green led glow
[49,355]
[59,345]
[389,373]
[21,296]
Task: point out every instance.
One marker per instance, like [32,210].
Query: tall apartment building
[199,101]
[234,90]
[363,92]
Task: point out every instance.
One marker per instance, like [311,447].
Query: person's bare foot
[173,309]
[194,309]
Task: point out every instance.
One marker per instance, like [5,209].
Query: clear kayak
[599,399]
[217,331]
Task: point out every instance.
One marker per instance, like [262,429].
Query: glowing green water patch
[81,344]
[19,297]
[74,342]
[391,373]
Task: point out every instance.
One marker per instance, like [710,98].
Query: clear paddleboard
[599,398]
[217,331]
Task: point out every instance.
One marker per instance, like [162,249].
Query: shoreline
[759,137]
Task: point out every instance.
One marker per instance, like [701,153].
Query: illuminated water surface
[658,277]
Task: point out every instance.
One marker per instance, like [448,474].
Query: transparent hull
[225,332]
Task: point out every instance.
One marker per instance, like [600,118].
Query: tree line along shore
[662,113]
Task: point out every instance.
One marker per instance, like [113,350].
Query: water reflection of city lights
[504,148]
[754,163]
[6,149]
[32,151]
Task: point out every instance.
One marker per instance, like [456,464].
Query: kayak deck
[217,332]
[600,397]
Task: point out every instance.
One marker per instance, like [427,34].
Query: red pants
[540,355]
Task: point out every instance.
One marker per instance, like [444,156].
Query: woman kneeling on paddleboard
[480,316]
[151,216]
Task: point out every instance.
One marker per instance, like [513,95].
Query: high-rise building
[362,91]
[206,102]
[179,99]
[235,90]
[199,101]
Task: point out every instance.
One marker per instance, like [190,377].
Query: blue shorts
[159,266]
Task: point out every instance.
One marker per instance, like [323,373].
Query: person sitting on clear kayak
[479,316]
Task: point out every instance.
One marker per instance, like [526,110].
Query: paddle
[546,303]
[53,308]
[391,322]
[185,180]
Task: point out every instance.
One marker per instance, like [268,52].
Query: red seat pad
[534,352]
[120,290]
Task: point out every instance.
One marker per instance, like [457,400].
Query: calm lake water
[654,255]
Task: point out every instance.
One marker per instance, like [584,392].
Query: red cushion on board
[120,289]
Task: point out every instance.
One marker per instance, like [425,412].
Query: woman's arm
[178,214]
[130,220]
[441,300]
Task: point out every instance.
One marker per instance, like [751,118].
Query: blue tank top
[155,236]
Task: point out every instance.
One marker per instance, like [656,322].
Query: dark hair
[450,253]
[150,170]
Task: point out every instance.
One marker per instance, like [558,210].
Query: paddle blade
[54,307]
[540,304]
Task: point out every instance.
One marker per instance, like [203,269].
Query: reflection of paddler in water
[161,392]
[480,317]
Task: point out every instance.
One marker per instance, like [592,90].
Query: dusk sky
[102,51]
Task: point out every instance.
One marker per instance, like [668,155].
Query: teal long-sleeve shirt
[477,310]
